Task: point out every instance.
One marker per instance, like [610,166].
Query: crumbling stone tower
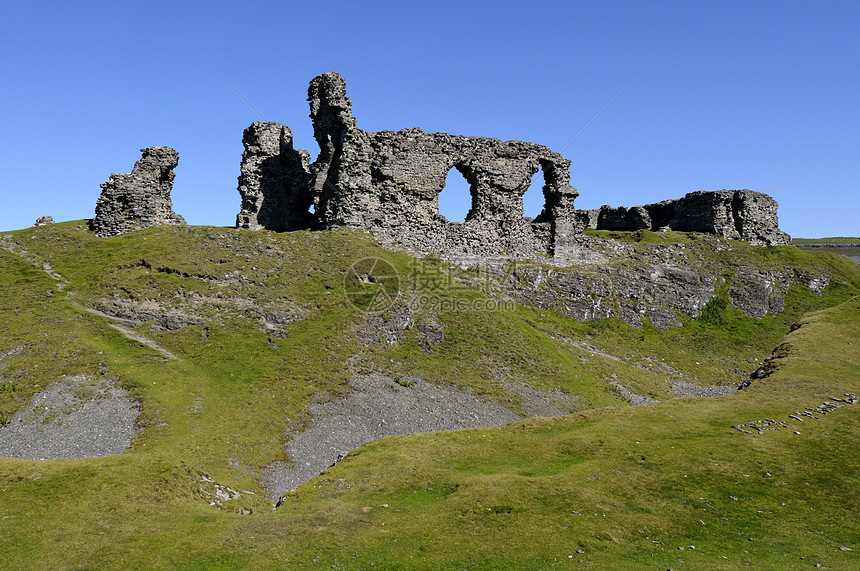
[274,180]
[141,198]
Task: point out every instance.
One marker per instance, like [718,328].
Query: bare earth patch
[76,417]
[379,406]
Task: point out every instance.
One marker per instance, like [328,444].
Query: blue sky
[759,95]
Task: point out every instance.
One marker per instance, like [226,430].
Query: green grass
[643,481]
[835,240]
[646,236]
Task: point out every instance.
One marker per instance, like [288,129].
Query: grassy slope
[482,498]
[835,240]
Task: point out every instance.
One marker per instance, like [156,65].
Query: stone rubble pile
[826,407]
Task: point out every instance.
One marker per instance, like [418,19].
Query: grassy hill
[225,338]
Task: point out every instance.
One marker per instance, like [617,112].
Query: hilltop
[230,344]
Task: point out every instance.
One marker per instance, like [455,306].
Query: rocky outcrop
[734,214]
[139,199]
[591,293]
[659,283]
[274,180]
[44,220]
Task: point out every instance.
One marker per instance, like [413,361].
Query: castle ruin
[388,184]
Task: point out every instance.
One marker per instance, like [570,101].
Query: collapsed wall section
[733,214]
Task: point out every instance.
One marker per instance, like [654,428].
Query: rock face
[274,180]
[388,183]
[138,199]
[657,283]
[734,214]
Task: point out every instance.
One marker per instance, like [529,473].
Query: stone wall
[734,214]
[388,183]
[139,199]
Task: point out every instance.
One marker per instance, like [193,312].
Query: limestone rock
[274,180]
[657,283]
[43,220]
[139,199]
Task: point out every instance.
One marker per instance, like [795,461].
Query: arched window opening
[533,199]
[455,200]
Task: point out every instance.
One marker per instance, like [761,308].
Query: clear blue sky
[760,95]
